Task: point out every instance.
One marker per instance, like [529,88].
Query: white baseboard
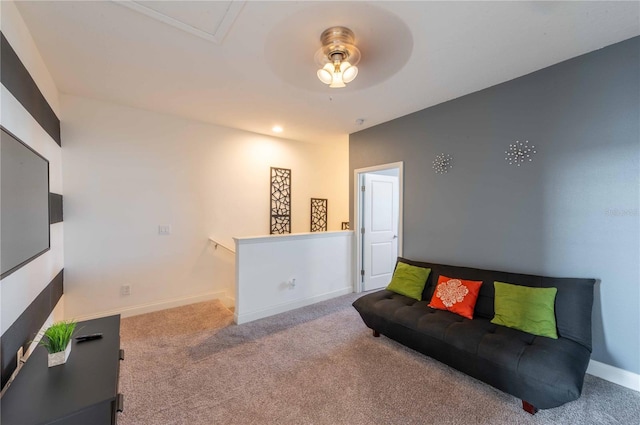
[281,308]
[156,306]
[613,374]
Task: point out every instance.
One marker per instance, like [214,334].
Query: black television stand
[82,391]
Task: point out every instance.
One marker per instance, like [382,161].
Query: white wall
[21,287]
[279,273]
[127,171]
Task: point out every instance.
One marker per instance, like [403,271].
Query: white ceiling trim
[217,36]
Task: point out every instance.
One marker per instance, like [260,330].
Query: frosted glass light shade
[349,74]
[324,74]
[337,81]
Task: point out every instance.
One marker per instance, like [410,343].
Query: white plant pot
[60,357]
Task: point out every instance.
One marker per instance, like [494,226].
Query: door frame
[357,212]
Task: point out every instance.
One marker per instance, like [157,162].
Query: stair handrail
[216,244]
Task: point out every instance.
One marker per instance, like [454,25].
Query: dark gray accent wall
[55,208]
[26,327]
[16,78]
[572,212]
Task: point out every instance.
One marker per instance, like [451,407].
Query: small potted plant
[57,341]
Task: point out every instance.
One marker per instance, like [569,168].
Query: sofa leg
[529,408]
[376,333]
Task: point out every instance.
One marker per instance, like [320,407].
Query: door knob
[395,236]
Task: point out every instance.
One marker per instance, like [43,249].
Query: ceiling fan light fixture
[337,57]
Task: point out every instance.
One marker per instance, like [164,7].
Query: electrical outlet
[125,290]
[164,229]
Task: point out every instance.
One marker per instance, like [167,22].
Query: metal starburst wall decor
[442,163]
[519,153]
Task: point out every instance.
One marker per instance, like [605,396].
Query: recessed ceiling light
[277,129]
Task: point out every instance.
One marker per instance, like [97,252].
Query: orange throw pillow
[456,295]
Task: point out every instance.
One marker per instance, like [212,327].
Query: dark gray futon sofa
[541,371]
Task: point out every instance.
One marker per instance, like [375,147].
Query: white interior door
[381,204]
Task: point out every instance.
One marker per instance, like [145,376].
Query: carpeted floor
[315,365]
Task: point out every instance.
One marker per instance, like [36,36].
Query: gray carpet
[315,365]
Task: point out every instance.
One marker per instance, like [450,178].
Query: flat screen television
[24,204]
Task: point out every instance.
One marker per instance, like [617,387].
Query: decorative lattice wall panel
[280,201]
[319,215]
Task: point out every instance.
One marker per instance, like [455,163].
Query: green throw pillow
[409,280]
[528,309]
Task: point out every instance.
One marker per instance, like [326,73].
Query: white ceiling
[249,65]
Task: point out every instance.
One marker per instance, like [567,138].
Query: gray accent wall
[571,212]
